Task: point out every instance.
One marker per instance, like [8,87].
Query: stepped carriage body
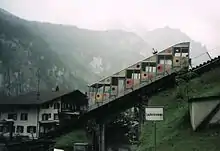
[143,72]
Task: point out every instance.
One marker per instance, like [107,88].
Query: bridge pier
[141,118]
[143,101]
[102,137]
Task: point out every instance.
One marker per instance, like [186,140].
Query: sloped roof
[30,98]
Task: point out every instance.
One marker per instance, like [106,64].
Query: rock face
[34,53]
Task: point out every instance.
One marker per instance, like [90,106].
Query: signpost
[154,114]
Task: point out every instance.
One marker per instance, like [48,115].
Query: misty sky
[200,19]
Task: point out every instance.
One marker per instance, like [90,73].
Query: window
[45,106]
[31,129]
[55,116]
[45,117]
[51,104]
[5,129]
[56,105]
[49,115]
[150,69]
[1,128]
[24,117]
[20,129]
[136,75]
[12,116]
[168,62]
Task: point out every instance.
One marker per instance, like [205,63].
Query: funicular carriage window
[150,67]
[148,70]
[185,52]
[165,59]
[164,63]
[136,76]
[129,74]
[177,51]
[114,81]
[181,56]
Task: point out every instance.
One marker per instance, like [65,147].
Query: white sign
[154,113]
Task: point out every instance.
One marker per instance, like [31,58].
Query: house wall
[48,124]
[200,110]
[49,110]
[31,121]
[34,117]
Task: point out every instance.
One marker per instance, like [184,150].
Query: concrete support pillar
[102,137]
[141,120]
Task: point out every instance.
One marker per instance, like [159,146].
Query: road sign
[154,113]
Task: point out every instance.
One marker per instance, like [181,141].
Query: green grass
[175,133]
[67,140]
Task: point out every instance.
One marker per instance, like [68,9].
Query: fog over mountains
[72,57]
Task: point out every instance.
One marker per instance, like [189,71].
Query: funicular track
[132,98]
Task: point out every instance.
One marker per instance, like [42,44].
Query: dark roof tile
[30,98]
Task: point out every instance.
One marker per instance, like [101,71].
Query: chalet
[204,112]
[34,116]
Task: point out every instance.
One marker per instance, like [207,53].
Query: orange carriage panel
[99,97]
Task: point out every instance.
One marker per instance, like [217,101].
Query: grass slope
[66,141]
[175,133]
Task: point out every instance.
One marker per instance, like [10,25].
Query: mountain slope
[22,52]
[104,52]
[66,55]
